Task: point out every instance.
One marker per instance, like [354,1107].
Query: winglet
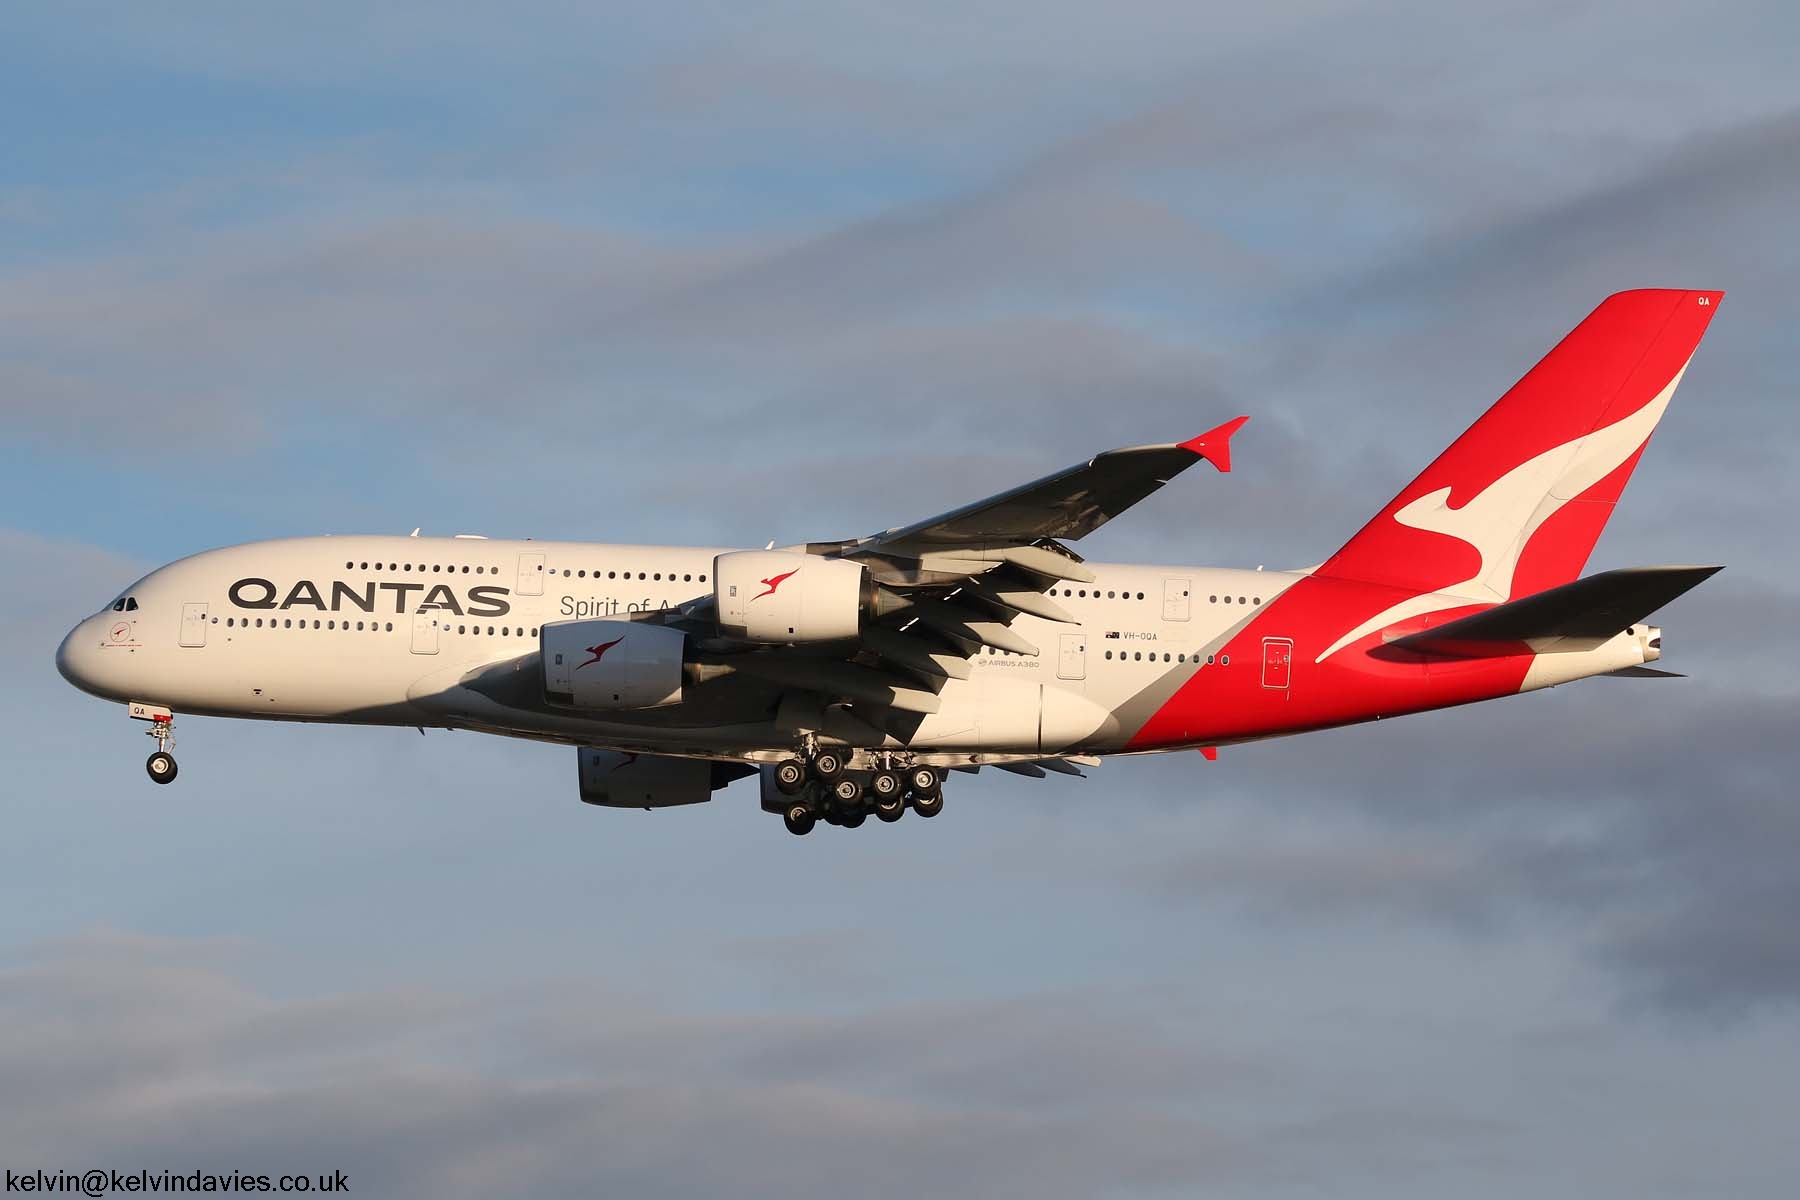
[1215,444]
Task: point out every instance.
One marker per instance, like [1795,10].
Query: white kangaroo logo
[1501,520]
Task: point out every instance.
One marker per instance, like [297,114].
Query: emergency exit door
[425,630]
[1071,661]
[193,624]
[1278,655]
[531,575]
[1175,599]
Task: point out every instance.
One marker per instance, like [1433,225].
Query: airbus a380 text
[851,675]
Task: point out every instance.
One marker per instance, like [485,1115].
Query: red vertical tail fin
[1516,504]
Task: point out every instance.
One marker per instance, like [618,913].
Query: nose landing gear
[161,764]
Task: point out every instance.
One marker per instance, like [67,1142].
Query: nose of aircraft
[65,657]
[76,658]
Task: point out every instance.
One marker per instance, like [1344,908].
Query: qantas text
[366,597]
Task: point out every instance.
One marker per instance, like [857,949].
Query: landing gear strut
[161,764]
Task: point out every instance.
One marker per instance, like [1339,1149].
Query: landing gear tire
[799,819]
[847,792]
[827,765]
[887,785]
[928,806]
[925,781]
[853,818]
[790,777]
[891,810]
[161,766]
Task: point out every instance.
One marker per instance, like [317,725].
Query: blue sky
[717,274]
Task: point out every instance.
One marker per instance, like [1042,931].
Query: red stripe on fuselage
[1228,702]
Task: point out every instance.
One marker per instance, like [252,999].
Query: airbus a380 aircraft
[852,674]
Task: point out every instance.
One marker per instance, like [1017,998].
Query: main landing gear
[161,764]
[824,788]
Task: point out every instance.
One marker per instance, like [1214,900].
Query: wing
[1070,504]
[945,589]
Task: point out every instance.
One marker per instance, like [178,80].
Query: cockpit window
[119,604]
[131,604]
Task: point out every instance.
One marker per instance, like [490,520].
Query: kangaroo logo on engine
[773,582]
[599,652]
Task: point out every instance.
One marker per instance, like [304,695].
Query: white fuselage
[392,630]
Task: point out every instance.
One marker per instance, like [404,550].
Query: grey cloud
[135,1056]
[167,1053]
[1656,824]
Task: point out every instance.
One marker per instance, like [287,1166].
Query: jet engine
[778,597]
[611,664]
[614,780]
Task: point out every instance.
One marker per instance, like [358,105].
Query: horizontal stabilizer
[1596,607]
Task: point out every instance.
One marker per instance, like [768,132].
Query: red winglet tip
[1215,444]
[1210,753]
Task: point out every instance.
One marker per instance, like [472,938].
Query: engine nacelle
[774,596]
[611,664]
[614,780]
